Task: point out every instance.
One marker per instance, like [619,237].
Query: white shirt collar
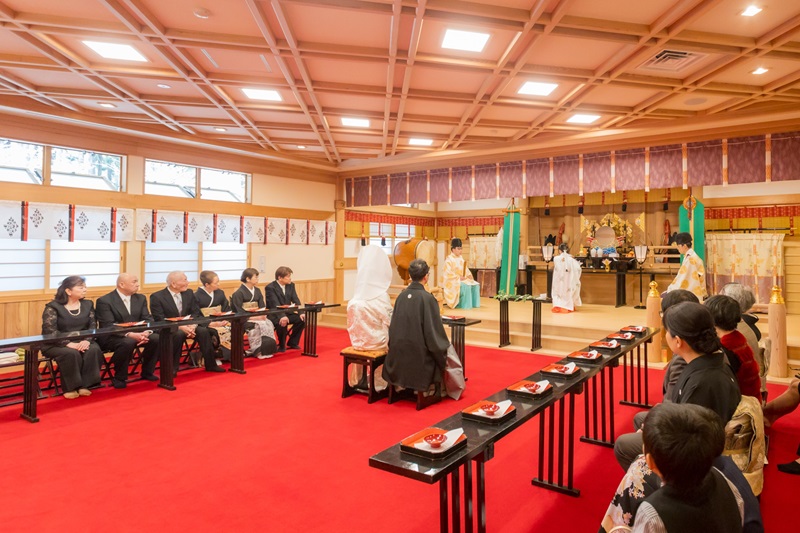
[123,296]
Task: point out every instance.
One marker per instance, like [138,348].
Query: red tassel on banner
[113,224]
[603,198]
[624,201]
[71,223]
[791,226]
[308,228]
[185,227]
[214,240]
[363,238]
[153,232]
[287,232]
[241,230]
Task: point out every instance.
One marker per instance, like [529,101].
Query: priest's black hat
[455,243]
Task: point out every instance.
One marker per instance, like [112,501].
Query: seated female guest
[212,299]
[727,314]
[261,332]
[79,361]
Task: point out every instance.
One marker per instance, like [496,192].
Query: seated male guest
[417,341]
[176,300]
[124,304]
[282,292]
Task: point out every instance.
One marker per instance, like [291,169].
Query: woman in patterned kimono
[456,272]
[566,291]
[260,331]
[369,311]
[692,274]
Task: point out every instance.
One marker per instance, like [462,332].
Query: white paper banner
[200,227]
[228,228]
[331,232]
[144,225]
[169,226]
[125,226]
[91,223]
[47,221]
[10,217]
[316,232]
[276,230]
[254,229]
[298,231]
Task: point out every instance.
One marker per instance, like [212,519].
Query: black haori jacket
[417,340]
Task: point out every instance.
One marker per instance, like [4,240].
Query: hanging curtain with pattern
[753,259]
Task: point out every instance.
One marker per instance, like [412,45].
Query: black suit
[163,307]
[111,310]
[276,297]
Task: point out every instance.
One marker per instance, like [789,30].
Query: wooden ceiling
[382,60]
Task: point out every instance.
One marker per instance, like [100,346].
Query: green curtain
[510,260]
[697,227]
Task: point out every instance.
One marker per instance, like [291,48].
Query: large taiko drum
[407,251]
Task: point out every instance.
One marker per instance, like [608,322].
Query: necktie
[178,303]
[127,302]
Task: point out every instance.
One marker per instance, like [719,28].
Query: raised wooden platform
[561,333]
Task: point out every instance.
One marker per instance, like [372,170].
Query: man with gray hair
[176,300]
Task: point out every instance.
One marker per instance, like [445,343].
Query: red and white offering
[564,370]
[634,329]
[605,345]
[626,336]
[591,356]
[439,441]
[538,387]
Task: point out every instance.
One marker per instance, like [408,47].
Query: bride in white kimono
[369,311]
[566,290]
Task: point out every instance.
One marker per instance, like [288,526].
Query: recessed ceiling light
[582,119]
[696,101]
[760,70]
[468,41]
[107,105]
[420,142]
[263,94]
[355,122]
[116,51]
[535,88]
[301,147]
[751,11]
[164,86]
[202,13]
[221,129]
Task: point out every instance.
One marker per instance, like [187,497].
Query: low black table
[457,332]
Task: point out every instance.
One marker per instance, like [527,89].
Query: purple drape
[462,184]
[379,189]
[348,192]
[565,174]
[747,161]
[704,163]
[398,188]
[786,156]
[418,187]
[439,185]
[361,193]
[537,172]
[485,181]
[597,172]
[666,166]
[629,167]
[511,179]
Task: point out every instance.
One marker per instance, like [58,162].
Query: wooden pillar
[338,253]
[654,321]
[778,361]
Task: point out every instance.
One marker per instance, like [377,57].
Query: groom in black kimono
[417,340]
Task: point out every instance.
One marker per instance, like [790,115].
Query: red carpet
[278,449]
